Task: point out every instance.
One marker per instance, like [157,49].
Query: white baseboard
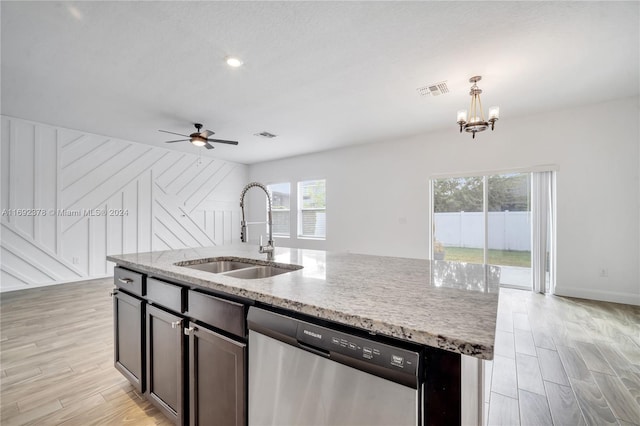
[4,289]
[606,296]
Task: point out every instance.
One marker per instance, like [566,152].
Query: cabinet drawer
[129,281]
[169,295]
[220,313]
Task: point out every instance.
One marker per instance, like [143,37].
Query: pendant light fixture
[475,121]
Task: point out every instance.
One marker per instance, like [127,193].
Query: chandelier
[476,122]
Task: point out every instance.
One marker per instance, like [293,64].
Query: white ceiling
[320,75]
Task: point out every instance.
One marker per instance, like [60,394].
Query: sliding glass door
[509,227]
[458,225]
[485,220]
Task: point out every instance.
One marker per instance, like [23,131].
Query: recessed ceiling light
[75,12]
[232,61]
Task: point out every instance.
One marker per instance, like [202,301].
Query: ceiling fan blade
[208,146]
[223,141]
[173,133]
[205,134]
[179,140]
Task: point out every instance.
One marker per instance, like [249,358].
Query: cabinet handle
[189,331]
[125,280]
[113,293]
[176,324]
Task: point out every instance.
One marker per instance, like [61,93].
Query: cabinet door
[165,362]
[217,367]
[128,337]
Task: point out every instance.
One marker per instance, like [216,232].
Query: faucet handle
[268,249]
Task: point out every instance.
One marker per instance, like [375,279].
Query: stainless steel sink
[219,266]
[258,272]
[239,268]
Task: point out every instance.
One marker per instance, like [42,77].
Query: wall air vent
[435,89]
[265,135]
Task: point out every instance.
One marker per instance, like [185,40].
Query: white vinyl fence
[507,230]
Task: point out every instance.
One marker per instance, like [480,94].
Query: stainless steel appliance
[305,374]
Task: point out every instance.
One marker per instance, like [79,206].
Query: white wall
[377,195]
[172,200]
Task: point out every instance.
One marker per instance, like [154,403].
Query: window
[281,207]
[312,216]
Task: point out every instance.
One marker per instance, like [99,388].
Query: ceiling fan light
[198,141]
[199,138]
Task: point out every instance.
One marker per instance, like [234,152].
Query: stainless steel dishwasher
[304,374]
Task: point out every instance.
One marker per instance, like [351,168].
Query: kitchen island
[447,308]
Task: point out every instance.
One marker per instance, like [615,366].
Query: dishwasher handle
[314,350]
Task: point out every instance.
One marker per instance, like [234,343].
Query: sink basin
[219,266]
[258,272]
[248,269]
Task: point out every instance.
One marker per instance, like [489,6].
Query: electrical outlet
[604,272]
[75,260]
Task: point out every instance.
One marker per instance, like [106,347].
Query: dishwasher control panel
[384,360]
[366,350]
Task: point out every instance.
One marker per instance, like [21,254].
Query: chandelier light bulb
[494,113]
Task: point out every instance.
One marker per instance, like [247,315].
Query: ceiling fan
[199,138]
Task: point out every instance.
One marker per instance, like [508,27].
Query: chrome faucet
[269,248]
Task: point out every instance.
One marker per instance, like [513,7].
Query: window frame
[300,210]
[280,235]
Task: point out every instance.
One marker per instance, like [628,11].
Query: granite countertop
[447,305]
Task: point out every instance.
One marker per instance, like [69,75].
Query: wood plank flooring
[558,361]
[564,361]
[57,360]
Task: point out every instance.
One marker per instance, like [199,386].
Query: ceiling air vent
[434,89]
[265,135]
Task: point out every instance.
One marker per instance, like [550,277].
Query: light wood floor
[558,361]
[564,361]
[57,360]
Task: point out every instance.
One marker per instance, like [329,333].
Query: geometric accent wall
[86,196]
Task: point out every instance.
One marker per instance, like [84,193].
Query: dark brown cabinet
[128,337]
[217,369]
[166,362]
[197,380]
